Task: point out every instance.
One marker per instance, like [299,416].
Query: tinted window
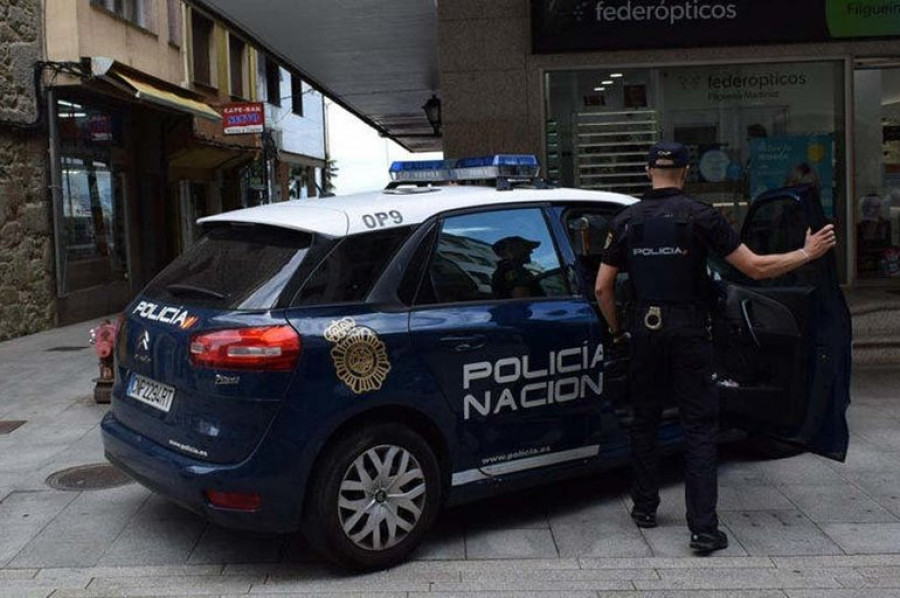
[588,230]
[489,256]
[776,226]
[350,271]
[233,267]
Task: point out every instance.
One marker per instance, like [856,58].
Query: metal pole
[265,164]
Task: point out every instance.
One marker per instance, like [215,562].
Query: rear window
[239,267]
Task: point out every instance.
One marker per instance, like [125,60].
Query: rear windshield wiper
[189,289]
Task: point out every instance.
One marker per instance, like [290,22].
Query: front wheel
[374,494]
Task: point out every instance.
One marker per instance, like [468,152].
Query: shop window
[202,57]
[296,94]
[175,20]
[92,211]
[273,82]
[237,67]
[877,143]
[751,128]
[494,256]
[137,12]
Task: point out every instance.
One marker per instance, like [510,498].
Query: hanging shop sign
[242,118]
[586,25]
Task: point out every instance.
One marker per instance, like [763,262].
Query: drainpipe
[56,190]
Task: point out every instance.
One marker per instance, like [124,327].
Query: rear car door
[783,345]
[509,340]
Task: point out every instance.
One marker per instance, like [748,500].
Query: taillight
[270,348]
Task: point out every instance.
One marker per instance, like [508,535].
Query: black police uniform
[663,243]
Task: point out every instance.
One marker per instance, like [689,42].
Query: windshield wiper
[189,289]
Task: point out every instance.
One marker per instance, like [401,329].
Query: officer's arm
[605,289]
[758,266]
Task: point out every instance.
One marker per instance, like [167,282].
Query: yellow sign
[359,356]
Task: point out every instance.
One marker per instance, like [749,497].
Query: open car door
[783,345]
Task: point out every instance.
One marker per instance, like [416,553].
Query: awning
[150,93]
[377,59]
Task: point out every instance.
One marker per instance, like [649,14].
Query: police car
[346,366]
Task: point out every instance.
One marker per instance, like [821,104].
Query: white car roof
[352,214]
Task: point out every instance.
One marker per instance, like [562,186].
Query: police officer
[663,242]
[511,279]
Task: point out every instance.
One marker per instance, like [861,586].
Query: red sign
[247,117]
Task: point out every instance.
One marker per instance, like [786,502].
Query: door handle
[745,311]
[464,342]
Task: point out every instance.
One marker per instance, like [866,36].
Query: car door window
[490,256]
[777,226]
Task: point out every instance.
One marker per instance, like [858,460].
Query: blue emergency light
[516,167]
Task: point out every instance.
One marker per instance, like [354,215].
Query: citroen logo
[144,341]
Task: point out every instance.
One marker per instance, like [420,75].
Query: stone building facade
[26,249]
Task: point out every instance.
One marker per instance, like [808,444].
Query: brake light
[239,501]
[270,348]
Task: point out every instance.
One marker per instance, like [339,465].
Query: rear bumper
[184,480]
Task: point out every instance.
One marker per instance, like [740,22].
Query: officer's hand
[817,244]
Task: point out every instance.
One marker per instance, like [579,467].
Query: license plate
[150,392]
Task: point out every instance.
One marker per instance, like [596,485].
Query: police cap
[515,241]
[673,154]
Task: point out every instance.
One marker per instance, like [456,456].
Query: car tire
[373,496]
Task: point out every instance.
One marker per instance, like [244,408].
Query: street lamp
[432,110]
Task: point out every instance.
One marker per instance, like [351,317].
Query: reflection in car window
[488,256]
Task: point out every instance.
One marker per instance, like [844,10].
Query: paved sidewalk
[800,527]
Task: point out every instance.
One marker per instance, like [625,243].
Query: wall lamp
[432,110]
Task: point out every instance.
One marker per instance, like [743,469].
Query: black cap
[501,245]
[675,154]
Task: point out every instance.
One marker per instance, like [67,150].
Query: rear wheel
[374,494]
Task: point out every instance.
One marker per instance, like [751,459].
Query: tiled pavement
[800,527]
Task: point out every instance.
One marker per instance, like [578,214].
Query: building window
[201,48]
[296,94]
[273,82]
[93,226]
[175,22]
[237,52]
[877,143]
[138,12]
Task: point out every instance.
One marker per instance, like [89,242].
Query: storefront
[752,123]
[765,94]
[114,225]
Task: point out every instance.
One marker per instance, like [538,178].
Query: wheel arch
[415,419]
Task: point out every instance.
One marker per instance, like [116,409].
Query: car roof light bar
[517,167]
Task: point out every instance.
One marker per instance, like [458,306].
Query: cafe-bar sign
[586,25]
[244,117]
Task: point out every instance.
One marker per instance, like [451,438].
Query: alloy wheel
[381,498]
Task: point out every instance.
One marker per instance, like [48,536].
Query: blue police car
[346,366]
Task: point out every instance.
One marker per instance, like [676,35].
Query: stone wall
[27,296]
